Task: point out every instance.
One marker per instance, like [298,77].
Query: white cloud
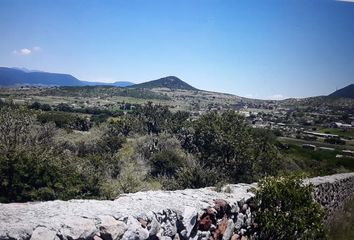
[27,51]
[277,97]
[351,1]
[249,96]
[23,52]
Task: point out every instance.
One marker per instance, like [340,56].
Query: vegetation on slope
[56,152]
[346,92]
[314,163]
[170,82]
[103,91]
[151,147]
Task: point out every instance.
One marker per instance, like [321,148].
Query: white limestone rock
[190,217]
[110,228]
[41,233]
[78,228]
[135,231]
[229,230]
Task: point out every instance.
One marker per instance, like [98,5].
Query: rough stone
[229,230]
[190,216]
[240,221]
[135,230]
[78,228]
[154,227]
[110,228]
[41,233]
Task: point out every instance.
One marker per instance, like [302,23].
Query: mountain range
[10,77]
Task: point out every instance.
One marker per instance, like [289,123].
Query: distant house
[348,153]
[326,148]
[19,101]
[341,125]
[325,135]
[245,113]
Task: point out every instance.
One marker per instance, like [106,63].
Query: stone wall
[184,214]
[153,215]
[333,192]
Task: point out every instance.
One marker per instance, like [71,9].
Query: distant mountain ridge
[346,92]
[11,77]
[170,82]
[21,76]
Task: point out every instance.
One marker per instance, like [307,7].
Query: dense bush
[38,174]
[225,142]
[287,210]
[39,106]
[266,157]
[166,163]
[194,175]
[335,141]
[99,118]
[33,166]
[65,120]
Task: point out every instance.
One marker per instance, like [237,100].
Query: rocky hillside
[170,82]
[346,92]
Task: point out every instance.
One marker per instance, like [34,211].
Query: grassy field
[318,143]
[344,133]
[319,162]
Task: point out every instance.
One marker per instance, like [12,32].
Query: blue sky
[261,49]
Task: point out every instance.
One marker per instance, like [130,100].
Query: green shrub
[166,163]
[193,176]
[287,209]
[38,174]
[225,142]
[65,120]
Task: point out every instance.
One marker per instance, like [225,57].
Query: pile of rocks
[220,221]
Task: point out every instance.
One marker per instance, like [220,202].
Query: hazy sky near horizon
[260,49]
